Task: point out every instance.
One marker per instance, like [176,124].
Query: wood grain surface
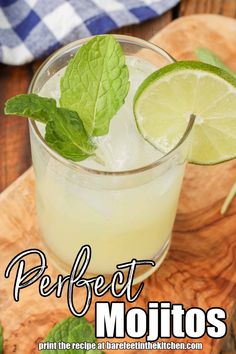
[200,269]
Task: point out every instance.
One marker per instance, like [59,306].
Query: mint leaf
[31,105]
[208,57]
[72,330]
[69,123]
[95,83]
[61,144]
[65,132]
[1,339]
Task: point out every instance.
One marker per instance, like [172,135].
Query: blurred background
[31,29]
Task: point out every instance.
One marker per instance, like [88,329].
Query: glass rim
[76,165]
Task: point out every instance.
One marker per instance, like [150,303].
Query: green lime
[166,99]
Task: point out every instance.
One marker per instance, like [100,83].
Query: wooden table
[14,138]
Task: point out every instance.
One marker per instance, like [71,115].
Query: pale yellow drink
[122,216]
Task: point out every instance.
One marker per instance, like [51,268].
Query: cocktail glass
[121,213]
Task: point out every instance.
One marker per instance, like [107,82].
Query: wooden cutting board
[200,269]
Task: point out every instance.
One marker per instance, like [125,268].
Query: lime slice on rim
[166,99]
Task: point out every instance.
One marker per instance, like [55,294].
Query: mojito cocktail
[112,119]
[122,202]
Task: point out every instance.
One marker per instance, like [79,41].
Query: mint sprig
[95,83]
[65,132]
[228,200]
[72,330]
[208,57]
[93,88]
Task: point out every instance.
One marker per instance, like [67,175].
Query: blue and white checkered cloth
[31,29]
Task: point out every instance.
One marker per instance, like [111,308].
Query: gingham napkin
[31,29]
